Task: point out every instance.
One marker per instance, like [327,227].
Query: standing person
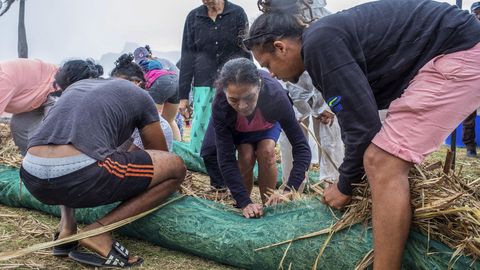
[28,88]
[211,36]
[248,112]
[419,59]
[162,85]
[468,125]
[73,166]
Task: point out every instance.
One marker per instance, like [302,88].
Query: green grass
[468,168]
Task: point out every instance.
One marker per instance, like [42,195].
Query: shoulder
[194,12]
[117,87]
[273,99]
[271,90]
[119,84]
[235,8]
[221,110]
[23,63]
[219,101]
[324,29]
[236,11]
[41,63]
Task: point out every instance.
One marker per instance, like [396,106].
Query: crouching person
[248,112]
[72,162]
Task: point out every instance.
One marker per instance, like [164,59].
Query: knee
[247,160]
[266,155]
[180,171]
[384,170]
[370,160]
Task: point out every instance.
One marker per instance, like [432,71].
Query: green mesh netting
[194,162]
[216,232]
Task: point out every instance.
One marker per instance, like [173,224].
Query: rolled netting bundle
[217,232]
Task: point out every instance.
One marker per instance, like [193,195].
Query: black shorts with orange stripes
[119,177]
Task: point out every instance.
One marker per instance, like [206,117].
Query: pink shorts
[444,92]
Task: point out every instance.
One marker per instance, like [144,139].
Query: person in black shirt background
[211,37]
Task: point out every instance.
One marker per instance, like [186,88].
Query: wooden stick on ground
[448,162]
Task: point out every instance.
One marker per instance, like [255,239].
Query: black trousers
[209,155]
[468,131]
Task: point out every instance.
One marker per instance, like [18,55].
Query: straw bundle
[9,154]
[446,208]
[198,185]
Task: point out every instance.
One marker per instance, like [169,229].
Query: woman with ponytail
[212,35]
[418,58]
[29,87]
[248,112]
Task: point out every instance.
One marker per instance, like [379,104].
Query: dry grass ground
[20,228]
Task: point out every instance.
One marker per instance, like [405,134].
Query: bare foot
[66,230]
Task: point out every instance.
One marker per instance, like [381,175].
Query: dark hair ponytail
[238,71]
[127,69]
[280,19]
[147,47]
[76,70]
[267,6]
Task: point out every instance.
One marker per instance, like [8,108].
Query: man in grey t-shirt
[72,161]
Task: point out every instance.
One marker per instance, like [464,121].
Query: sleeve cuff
[293,184]
[345,186]
[242,201]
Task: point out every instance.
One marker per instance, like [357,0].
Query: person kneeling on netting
[249,110]
[72,161]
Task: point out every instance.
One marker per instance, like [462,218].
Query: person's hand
[334,198]
[277,198]
[253,210]
[183,108]
[327,118]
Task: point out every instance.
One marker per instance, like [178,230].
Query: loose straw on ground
[446,208]
[17,253]
[9,154]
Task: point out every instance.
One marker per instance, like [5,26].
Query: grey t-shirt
[96,116]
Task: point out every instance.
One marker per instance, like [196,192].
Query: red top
[258,123]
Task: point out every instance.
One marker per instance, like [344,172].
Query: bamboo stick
[21,252]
